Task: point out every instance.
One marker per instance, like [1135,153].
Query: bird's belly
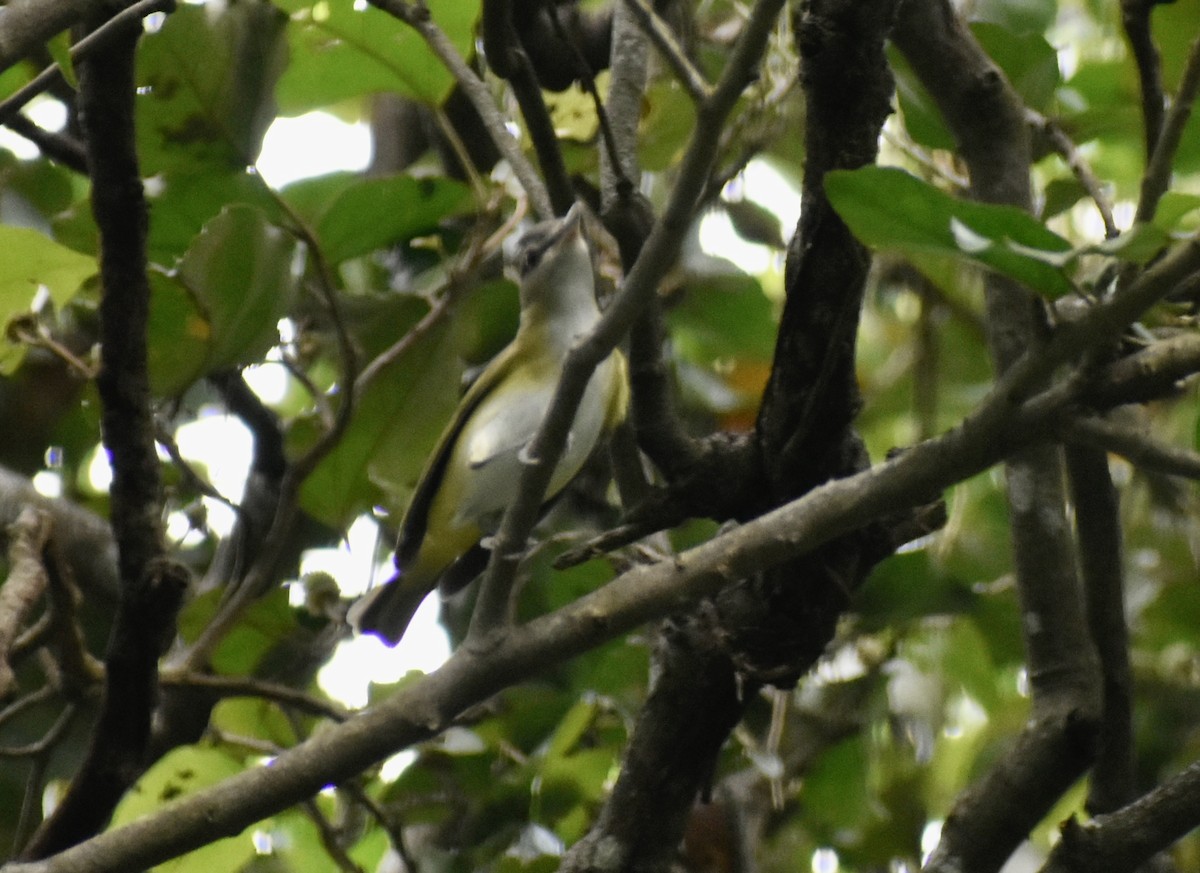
[491,486]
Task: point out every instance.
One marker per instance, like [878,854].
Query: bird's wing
[416,517]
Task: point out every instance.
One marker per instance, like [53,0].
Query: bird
[474,470]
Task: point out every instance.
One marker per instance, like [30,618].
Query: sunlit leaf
[180,773]
[342,50]
[34,263]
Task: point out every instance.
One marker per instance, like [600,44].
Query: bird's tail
[387,610]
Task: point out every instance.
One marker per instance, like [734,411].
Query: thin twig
[588,79]
[477,92]
[98,38]
[1138,448]
[330,838]
[659,32]
[237,686]
[1135,16]
[1158,168]
[1063,144]
[48,741]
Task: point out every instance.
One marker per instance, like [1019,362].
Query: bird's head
[554,264]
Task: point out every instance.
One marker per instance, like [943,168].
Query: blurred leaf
[352,215]
[254,718]
[1060,195]
[32,262]
[664,126]
[243,273]
[181,772]
[178,336]
[723,319]
[835,793]
[206,80]
[398,420]
[1016,16]
[344,50]
[573,112]
[1029,62]
[754,222]
[47,187]
[1137,245]
[922,118]
[889,209]
[1173,208]
[269,620]
[59,49]
[571,729]
[907,586]
[182,203]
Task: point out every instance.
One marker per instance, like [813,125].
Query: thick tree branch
[1102,566]
[1123,841]
[151,586]
[992,816]
[24,586]
[1138,448]
[709,663]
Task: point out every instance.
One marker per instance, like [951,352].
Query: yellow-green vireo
[472,475]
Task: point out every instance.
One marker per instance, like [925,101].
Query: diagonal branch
[477,92]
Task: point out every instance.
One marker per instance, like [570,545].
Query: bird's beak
[572,222]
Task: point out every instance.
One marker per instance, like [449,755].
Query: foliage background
[924,684]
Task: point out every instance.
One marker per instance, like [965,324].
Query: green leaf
[342,50]
[243,272]
[1016,16]
[268,621]
[352,215]
[184,202]
[178,336]
[922,118]
[1028,61]
[723,318]
[59,49]
[889,209]
[206,81]
[398,420]
[1137,245]
[179,773]
[32,261]
[1173,208]
[254,717]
